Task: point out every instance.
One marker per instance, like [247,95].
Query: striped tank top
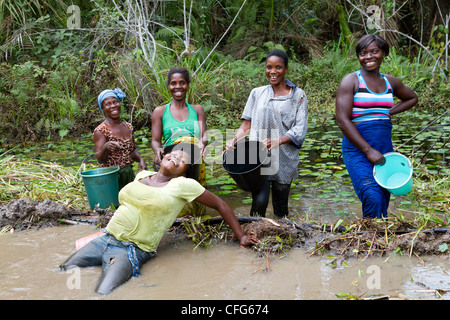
[368,105]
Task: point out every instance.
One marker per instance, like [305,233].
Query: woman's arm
[275,142]
[135,155]
[344,107]
[157,133]
[407,96]
[243,130]
[101,146]
[246,124]
[297,133]
[210,200]
[202,125]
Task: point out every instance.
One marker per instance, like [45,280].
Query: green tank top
[174,129]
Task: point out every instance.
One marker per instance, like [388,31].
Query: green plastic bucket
[395,175]
[102,186]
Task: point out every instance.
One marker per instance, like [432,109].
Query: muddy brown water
[29,270]
[29,259]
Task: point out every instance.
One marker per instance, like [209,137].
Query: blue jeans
[375,199]
[120,260]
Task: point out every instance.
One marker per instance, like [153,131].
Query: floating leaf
[228,187]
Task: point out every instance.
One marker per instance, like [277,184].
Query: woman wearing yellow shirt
[149,206]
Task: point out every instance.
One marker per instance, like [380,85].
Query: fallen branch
[371,245]
[330,241]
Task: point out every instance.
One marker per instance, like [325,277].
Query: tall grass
[39,180]
[147,87]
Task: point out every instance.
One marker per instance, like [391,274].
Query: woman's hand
[270,143]
[102,151]
[249,239]
[243,131]
[230,144]
[375,157]
[201,146]
[211,200]
[159,154]
[142,164]
[112,146]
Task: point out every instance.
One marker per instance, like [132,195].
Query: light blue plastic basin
[396,174]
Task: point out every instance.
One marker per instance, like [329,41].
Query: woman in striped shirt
[364,107]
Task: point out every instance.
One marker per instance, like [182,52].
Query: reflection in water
[29,270]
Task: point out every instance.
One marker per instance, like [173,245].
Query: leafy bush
[39,103]
[60,101]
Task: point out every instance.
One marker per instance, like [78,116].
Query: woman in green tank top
[178,118]
[178,121]
[174,129]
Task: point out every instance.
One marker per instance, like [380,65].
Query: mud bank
[355,242]
[361,239]
[24,214]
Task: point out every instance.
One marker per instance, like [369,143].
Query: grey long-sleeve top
[273,117]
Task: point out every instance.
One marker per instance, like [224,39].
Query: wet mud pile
[24,214]
[428,242]
[364,238]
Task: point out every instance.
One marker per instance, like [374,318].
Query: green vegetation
[51,73]
[40,180]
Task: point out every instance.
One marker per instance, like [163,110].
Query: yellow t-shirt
[146,213]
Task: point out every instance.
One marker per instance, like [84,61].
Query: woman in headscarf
[114,139]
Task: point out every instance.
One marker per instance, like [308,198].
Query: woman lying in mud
[149,206]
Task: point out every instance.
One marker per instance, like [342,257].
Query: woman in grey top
[276,115]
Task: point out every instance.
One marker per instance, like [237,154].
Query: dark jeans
[280,197]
